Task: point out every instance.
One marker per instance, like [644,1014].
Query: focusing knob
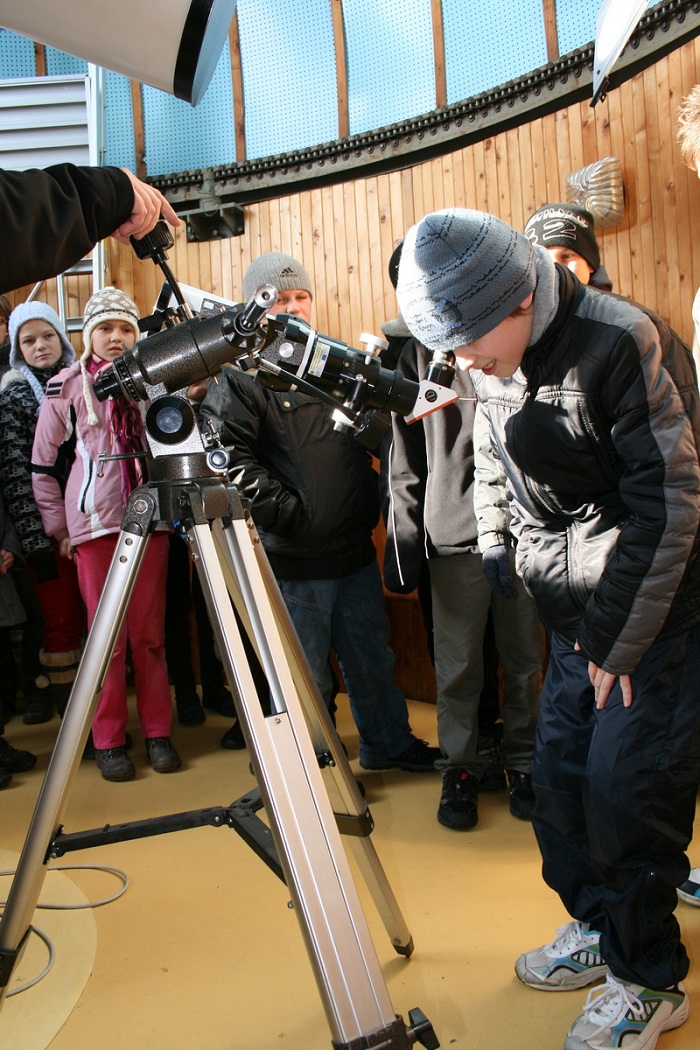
[155,243]
[374,344]
[218,460]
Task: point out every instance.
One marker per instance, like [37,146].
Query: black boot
[60,669]
[233,739]
[189,709]
[61,694]
[38,707]
[13,760]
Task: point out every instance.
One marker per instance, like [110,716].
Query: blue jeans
[615,793]
[348,617]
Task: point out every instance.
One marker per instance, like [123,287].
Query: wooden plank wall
[345,234]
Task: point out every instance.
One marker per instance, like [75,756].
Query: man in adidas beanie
[592,406]
[314,499]
[288,276]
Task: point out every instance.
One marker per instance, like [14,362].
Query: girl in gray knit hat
[592,403]
[39,348]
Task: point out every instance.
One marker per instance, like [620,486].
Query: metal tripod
[304,780]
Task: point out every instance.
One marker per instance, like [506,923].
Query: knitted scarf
[546,294]
[38,378]
[127,433]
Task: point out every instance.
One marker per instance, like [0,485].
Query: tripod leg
[73,732]
[342,787]
[302,822]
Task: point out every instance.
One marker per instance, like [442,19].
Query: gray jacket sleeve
[490,499]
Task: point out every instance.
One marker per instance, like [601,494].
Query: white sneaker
[689,891]
[571,960]
[619,1014]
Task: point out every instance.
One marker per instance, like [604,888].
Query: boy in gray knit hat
[314,500]
[593,412]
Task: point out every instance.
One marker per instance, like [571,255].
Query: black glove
[43,565]
[496,565]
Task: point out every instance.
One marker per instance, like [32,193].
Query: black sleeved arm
[50,218]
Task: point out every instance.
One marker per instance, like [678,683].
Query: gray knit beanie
[37,311]
[277,269]
[109,304]
[462,272]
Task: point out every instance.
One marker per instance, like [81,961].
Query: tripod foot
[396,1036]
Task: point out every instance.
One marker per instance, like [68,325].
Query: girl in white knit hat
[86,522]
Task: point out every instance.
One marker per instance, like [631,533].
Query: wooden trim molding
[237,88]
[139,128]
[439,53]
[39,59]
[341,68]
[549,11]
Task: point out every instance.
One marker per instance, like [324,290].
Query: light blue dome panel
[180,137]
[289,76]
[391,72]
[487,45]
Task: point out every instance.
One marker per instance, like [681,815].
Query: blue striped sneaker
[689,891]
[622,1015]
[571,960]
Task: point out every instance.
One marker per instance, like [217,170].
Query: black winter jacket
[313,494]
[428,475]
[57,215]
[598,433]
[18,416]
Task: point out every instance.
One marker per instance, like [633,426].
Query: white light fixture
[615,23]
[172,45]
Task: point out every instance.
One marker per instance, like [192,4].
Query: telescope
[280,351]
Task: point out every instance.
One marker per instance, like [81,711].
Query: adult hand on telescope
[149,206]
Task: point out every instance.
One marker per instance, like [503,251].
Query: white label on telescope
[320,356]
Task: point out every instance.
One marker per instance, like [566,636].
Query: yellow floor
[202,952]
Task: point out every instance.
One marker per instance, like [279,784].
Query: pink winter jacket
[92,505]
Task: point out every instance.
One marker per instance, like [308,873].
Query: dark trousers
[616,793]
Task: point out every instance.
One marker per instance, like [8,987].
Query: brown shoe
[162,755]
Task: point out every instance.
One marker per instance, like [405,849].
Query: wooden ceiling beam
[237,89]
[439,54]
[549,10]
[39,59]
[341,68]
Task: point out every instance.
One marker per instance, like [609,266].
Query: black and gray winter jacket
[598,433]
[428,480]
[18,416]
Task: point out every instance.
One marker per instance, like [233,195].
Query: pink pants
[144,627]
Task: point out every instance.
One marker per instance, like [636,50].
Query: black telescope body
[286,352]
